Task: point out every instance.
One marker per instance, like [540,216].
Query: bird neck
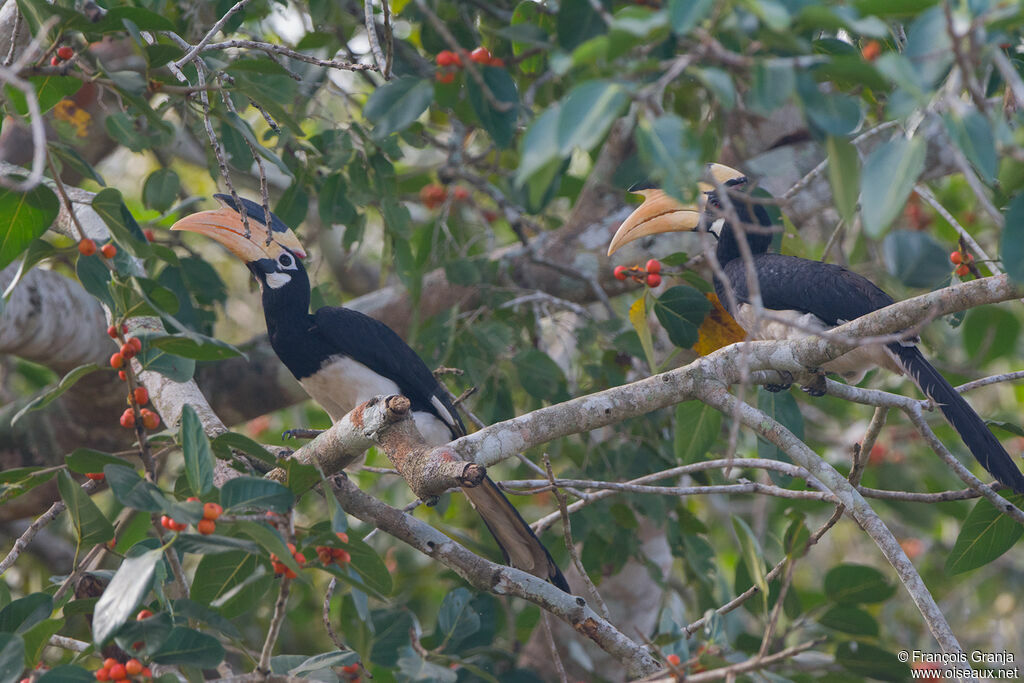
[757,236]
[287,307]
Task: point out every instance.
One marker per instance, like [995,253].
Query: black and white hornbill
[343,358]
[807,295]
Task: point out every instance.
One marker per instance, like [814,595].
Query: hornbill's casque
[811,295]
[343,358]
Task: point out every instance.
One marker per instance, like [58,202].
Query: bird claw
[817,387]
[431,501]
[787,382]
[301,434]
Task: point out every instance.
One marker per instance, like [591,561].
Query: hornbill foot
[815,388]
[301,434]
[787,382]
[431,501]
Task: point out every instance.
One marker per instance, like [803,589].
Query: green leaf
[681,310]
[772,86]
[753,557]
[252,493]
[669,152]
[394,106]
[114,21]
[985,535]
[540,376]
[697,426]
[783,408]
[370,567]
[223,443]
[832,113]
[990,332]
[844,176]
[86,460]
[190,647]
[87,522]
[586,114]
[122,596]
[195,347]
[49,91]
[890,172]
[539,146]
[869,661]
[638,318]
[915,258]
[95,278]
[457,619]
[578,22]
[53,393]
[133,491]
[973,135]
[67,673]
[109,204]
[269,539]
[196,449]
[217,574]
[22,614]
[37,251]
[500,123]
[161,189]
[242,126]
[852,620]
[325,660]
[684,15]
[333,203]
[125,130]
[212,544]
[171,366]
[12,656]
[1011,244]
[24,217]
[854,584]
[152,632]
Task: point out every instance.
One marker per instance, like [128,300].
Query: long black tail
[972,429]
[520,546]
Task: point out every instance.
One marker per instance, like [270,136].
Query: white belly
[342,383]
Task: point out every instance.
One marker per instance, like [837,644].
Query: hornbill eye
[285,260]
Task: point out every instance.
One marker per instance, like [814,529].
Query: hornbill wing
[375,345]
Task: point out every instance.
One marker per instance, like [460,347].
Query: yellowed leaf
[718,330]
[638,317]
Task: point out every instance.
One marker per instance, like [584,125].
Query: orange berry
[133,667]
[87,247]
[136,344]
[150,235]
[956,258]
[871,50]
[448,58]
[653,266]
[112,332]
[127,350]
[178,526]
[165,522]
[620,272]
[460,194]
[212,511]
[128,419]
[340,556]
[109,250]
[206,526]
[143,614]
[117,672]
[54,61]
[342,536]
[673,660]
[653,280]
[962,269]
[444,77]
[146,673]
[279,567]
[496,61]
[300,558]
[150,420]
[96,476]
[480,55]
[102,675]
[141,396]
[65,52]
[121,376]
[290,573]
[117,361]
[109,662]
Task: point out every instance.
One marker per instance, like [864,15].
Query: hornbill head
[661,213]
[271,252]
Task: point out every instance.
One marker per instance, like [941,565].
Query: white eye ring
[286,261]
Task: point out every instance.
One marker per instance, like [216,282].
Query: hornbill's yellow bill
[249,244]
[661,213]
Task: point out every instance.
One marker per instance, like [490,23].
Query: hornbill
[806,295]
[343,358]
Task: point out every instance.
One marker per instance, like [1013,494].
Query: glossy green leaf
[370,567]
[113,21]
[325,660]
[990,332]
[161,189]
[217,574]
[985,535]
[37,251]
[772,85]
[586,114]
[270,540]
[539,146]
[869,661]
[394,106]
[783,408]
[889,175]
[844,176]
[67,673]
[638,318]
[24,217]
[540,376]
[242,127]
[457,619]
[202,348]
[131,490]
[684,15]
[197,452]
[753,557]
[251,493]
[87,522]
[12,656]
[853,584]
[974,136]
[681,310]
[669,151]
[52,394]
[578,22]
[109,204]
[121,599]
[832,113]
[498,118]
[189,647]
[1011,243]
[915,258]
[152,632]
[852,620]
[223,444]
[697,427]
[212,544]
[21,615]
[49,90]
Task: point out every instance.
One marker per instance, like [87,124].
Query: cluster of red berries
[450,62]
[339,556]
[650,274]
[433,195]
[351,671]
[63,54]
[206,526]
[282,568]
[871,50]
[87,247]
[962,262]
[115,671]
[672,660]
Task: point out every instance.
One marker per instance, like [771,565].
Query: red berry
[128,351]
[109,250]
[212,511]
[143,614]
[673,660]
[460,194]
[112,332]
[433,195]
[191,499]
[653,280]
[65,52]
[340,556]
[150,420]
[102,675]
[496,61]
[55,61]
[956,257]
[136,344]
[480,55]
[150,235]
[133,667]
[96,476]
[206,526]
[128,419]
[654,266]
[442,77]
[871,50]
[290,573]
[342,536]
[117,671]
[123,377]
[109,662]
[141,396]
[962,269]
[178,526]
[448,58]
[146,673]
[165,522]
[87,247]
[620,272]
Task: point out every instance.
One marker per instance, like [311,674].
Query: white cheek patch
[716,227]
[277,280]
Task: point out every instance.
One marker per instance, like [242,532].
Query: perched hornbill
[343,358]
[811,295]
